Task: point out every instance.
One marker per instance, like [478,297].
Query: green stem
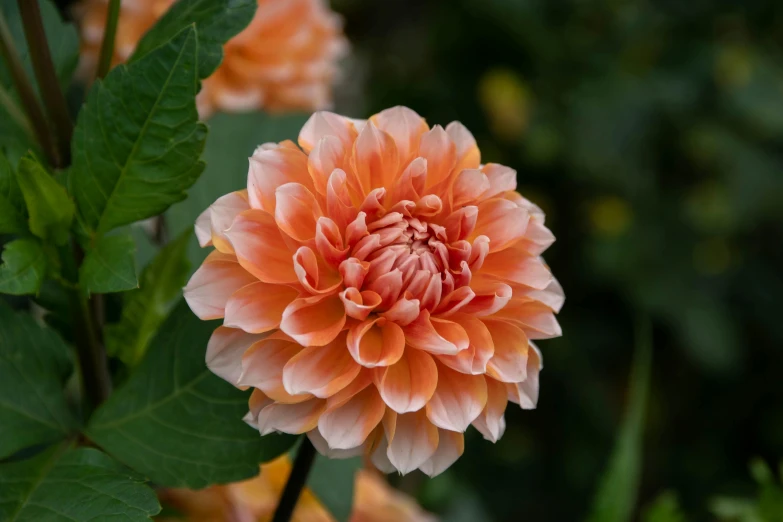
[109,34]
[26,93]
[92,357]
[8,103]
[305,457]
[49,84]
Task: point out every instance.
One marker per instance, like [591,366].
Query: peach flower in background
[284,60]
[255,500]
[380,289]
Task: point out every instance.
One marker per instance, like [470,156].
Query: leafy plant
[68,193]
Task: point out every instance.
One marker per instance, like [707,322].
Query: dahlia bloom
[380,289]
[255,500]
[284,60]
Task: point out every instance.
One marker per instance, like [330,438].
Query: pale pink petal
[469,186]
[437,336]
[258,307]
[349,424]
[491,423]
[271,168]
[260,248]
[320,370]
[375,159]
[441,155]
[509,362]
[502,222]
[222,215]
[413,443]
[297,211]
[328,155]
[325,123]
[225,349]
[314,321]
[451,445]
[523,270]
[290,418]
[468,155]
[404,126]
[525,393]
[211,286]
[458,399]
[376,342]
[409,383]
[323,447]
[474,359]
[263,363]
[501,179]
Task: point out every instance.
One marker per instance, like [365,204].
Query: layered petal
[320,370]
[258,307]
[409,383]
[212,285]
[260,248]
[314,321]
[458,399]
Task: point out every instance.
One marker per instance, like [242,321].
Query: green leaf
[173,420]
[145,309]
[78,485]
[13,215]
[616,496]
[23,268]
[110,265]
[51,210]
[137,142]
[332,481]
[34,365]
[232,139]
[665,508]
[216,20]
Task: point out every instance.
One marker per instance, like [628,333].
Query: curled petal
[551,296]
[359,304]
[437,336]
[458,399]
[414,442]
[211,286]
[225,350]
[451,445]
[297,211]
[461,223]
[403,312]
[509,362]
[474,359]
[260,248]
[388,286]
[536,319]
[456,301]
[329,242]
[338,199]
[376,342]
[313,275]
[410,186]
[349,424]
[258,307]
[314,321]
[491,423]
[409,383]
[290,418]
[320,370]
[490,297]
[353,272]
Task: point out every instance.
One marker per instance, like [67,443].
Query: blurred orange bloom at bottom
[254,500]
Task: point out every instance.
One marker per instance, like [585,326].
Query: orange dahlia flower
[380,289]
[284,60]
[255,500]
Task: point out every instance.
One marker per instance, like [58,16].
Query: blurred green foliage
[650,132]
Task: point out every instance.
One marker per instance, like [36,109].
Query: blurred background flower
[254,500]
[285,60]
